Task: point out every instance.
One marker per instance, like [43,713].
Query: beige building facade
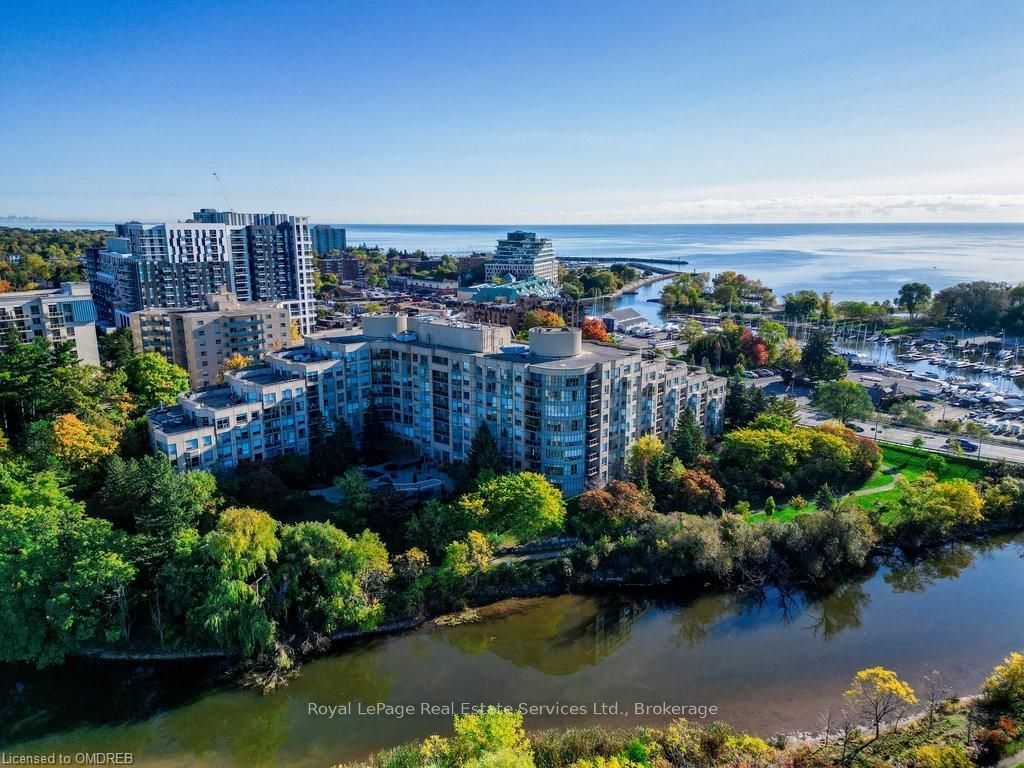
[201,340]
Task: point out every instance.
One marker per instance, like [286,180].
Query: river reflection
[771,661]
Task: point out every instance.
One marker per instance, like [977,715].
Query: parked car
[964,443]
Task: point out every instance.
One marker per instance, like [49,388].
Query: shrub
[1003,692]
[934,756]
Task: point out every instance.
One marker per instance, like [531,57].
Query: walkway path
[879,488]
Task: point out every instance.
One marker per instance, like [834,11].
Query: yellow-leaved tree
[234,362]
[80,444]
[877,695]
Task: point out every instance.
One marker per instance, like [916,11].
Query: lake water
[768,664]
[868,261]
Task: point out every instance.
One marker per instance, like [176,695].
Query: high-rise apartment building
[523,255]
[327,238]
[558,405]
[257,256]
[62,315]
[201,339]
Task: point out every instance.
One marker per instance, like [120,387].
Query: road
[1006,451]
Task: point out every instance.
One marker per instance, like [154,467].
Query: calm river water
[768,665]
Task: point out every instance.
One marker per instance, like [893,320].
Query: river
[769,664]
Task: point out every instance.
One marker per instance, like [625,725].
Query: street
[989,450]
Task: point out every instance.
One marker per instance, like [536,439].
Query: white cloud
[796,208]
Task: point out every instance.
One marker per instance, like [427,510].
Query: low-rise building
[201,339]
[351,269]
[511,314]
[623,320]
[558,405]
[62,315]
[429,284]
[510,290]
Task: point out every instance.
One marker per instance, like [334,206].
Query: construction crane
[223,191]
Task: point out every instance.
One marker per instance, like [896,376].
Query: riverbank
[511,596]
[702,647]
[948,733]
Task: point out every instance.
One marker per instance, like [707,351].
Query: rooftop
[263,375]
[622,314]
[171,420]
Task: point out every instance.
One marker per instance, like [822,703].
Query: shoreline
[488,607]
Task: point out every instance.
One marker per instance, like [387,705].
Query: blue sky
[447,112]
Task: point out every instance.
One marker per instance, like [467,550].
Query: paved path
[876,489]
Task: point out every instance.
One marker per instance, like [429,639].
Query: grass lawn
[882,477]
[896,460]
[912,463]
[782,514]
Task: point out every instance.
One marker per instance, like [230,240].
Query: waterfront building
[326,238]
[257,256]
[623,320]
[522,255]
[62,315]
[200,339]
[510,290]
[557,405]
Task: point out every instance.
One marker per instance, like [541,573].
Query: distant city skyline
[462,113]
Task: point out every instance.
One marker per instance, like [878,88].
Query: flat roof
[171,420]
[263,375]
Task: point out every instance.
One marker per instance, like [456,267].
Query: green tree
[914,297]
[153,381]
[802,303]
[463,562]
[146,496]
[116,348]
[523,505]
[687,441]
[62,572]
[484,455]
[358,500]
[819,361]
[330,580]
[235,558]
[828,310]
[644,458]
[744,403]
[843,400]
[333,451]
[773,333]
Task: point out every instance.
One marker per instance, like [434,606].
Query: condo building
[523,255]
[326,238]
[257,256]
[201,339]
[558,405]
[64,315]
